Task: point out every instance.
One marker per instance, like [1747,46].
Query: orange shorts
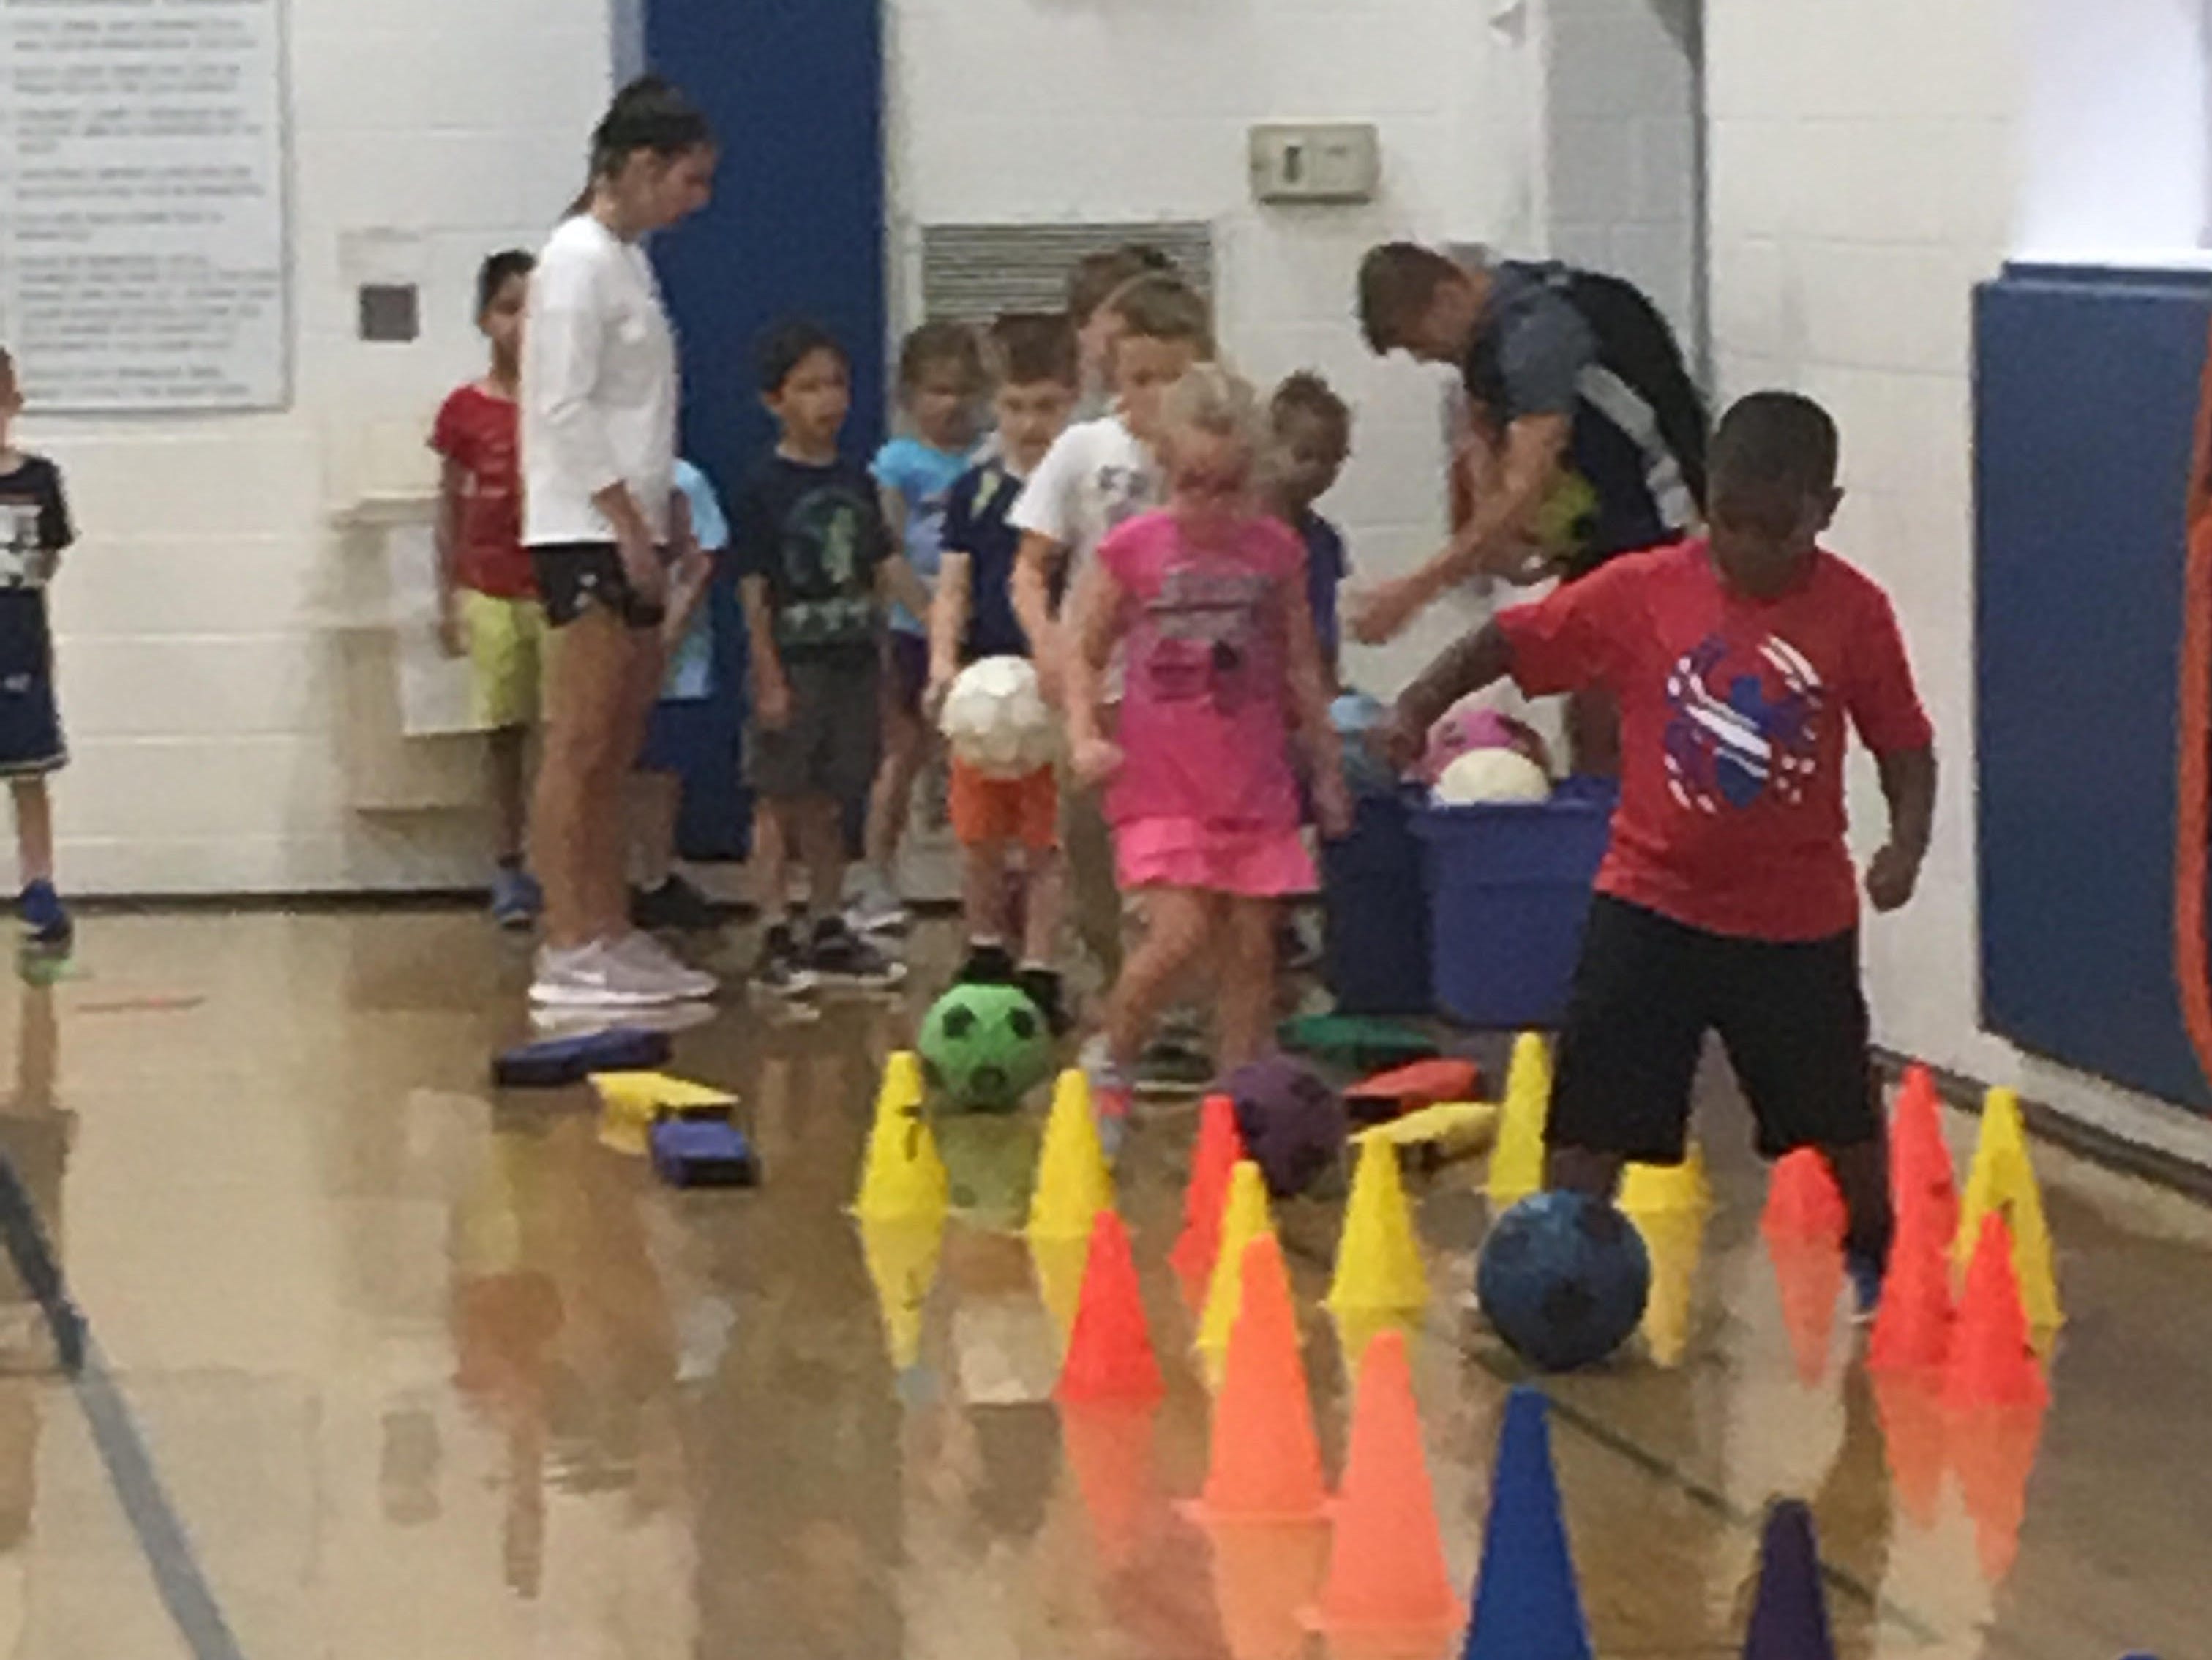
[1023,810]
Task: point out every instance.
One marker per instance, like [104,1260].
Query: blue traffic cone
[1789,1620]
[1526,1604]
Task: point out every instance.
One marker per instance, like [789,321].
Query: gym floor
[383,1368]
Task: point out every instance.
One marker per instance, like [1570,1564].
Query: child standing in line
[1310,433]
[1728,902]
[1096,279]
[1208,600]
[34,532]
[1097,476]
[940,375]
[664,901]
[488,605]
[974,618]
[815,568]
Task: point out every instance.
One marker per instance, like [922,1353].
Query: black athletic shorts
[572,576]
[1648,990]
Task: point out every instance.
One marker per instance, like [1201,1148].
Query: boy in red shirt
[487,590]
[1728,902]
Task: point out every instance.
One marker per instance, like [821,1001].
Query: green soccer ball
[983,1048]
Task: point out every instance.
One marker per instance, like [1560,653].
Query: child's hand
[642,564]
[1332,804]
[1095,761]
[1891,878]
[934,695]
[1400,740]
[1051,671]
[772,702]
[1380,614]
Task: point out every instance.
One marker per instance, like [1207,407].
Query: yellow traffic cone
[1073,1185]
[1058,1265]
[2002,1180]
[1517,1163]
[1378,1261]
[1244,1218]
[1675,1240]
[903,1179]
[1665,1189]
[1357,1328]
[644,1096]
[902,1258]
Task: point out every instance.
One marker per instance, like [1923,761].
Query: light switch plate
[1316,162]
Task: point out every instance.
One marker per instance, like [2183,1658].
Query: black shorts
[30,720]
[906,673]
[1791,1015]
[572,576]
[829,748]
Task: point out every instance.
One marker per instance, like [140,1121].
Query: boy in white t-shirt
[1098,475]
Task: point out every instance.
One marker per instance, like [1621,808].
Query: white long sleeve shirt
[599,387]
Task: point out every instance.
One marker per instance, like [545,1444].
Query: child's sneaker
[516,899]
[1046,991]
[987,965]
[590,976]
[45,922]
[840,956]
[654,967]
[1112,1095]
[1865,1274]
[674,907]
[876,908]
[781,971]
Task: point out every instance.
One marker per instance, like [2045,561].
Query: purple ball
[1292,1124]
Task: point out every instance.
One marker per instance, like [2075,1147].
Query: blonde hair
[1217,401]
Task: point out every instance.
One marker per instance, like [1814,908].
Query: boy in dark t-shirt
[814,565]
[34,532]
[1035,359]
[1728,901]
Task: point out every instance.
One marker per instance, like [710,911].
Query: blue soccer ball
[1360,721]
[1563,1280]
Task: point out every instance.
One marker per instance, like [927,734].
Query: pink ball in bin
[1470,726]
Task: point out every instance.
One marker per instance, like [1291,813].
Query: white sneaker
[589,978]
[655,968]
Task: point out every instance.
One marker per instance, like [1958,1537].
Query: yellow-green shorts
[508,645]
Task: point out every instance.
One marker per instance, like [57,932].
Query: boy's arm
[1479,659]
[452,484]
[1908,784]
[1096,624]
[1035,566]
[948,620]
[1309,696]
[694,571]
[771,689]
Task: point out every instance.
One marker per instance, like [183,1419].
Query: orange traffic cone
[1219,1148]
[1386,1572]
[1925,1187]
[1264,1580]
[1110,1449]
[1810,1275]
[1913,1431]
[1994,1451]
[1265,1465]
[1912,1333]
[1802,1201]
[1109,1356]
[1992,1362]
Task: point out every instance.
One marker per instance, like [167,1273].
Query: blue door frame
[794,89]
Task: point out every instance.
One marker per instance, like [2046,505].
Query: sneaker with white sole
[879,914]
[590,976]
[657,966]
[839,957]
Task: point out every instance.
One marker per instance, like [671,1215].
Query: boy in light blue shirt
[664,900]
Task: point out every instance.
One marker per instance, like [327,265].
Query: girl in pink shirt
[1205,602]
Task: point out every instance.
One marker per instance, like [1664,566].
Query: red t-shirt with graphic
[481,435]
[1733,711]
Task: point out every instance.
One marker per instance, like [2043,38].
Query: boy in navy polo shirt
[1728,902]
[974,618]
[34,532]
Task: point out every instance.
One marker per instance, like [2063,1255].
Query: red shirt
[1731,815]
[481,435]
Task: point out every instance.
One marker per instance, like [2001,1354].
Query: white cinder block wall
[1867,172]
[197,661]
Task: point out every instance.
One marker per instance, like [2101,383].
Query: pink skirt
[1180,853]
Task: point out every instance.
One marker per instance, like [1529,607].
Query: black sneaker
[987,965]
[838,957]
[781,970]
[1046,991]
[674,907]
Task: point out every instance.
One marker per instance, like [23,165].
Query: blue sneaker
[1866,1277]
[47,924]
[516,898]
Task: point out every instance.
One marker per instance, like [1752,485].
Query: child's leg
[983,892]
[508,756]
[35,829]
[1181,922]
[584,694]
[891,796]
[1863,1172]
[643,666]
[1088,842]
[817,824]
[1248,981]
[656,801]
[771,861]
[1044,897]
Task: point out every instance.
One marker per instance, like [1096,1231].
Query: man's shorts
[573,576]
[507,645]
[1790,1015]
[989,810]
[829,748]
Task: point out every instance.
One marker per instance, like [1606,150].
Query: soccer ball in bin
[995,719]
[1470,725]
[1485,777]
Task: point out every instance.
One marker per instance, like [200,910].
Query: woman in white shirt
[600,398]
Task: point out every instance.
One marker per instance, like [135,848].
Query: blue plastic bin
[1509,887]
[1375,901]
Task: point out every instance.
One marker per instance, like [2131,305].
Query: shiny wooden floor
[416,1372]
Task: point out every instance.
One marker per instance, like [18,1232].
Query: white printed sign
[142,263]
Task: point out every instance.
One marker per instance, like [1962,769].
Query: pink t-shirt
[1205,713]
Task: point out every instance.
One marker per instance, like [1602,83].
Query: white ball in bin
[995,719]
[1484,777]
